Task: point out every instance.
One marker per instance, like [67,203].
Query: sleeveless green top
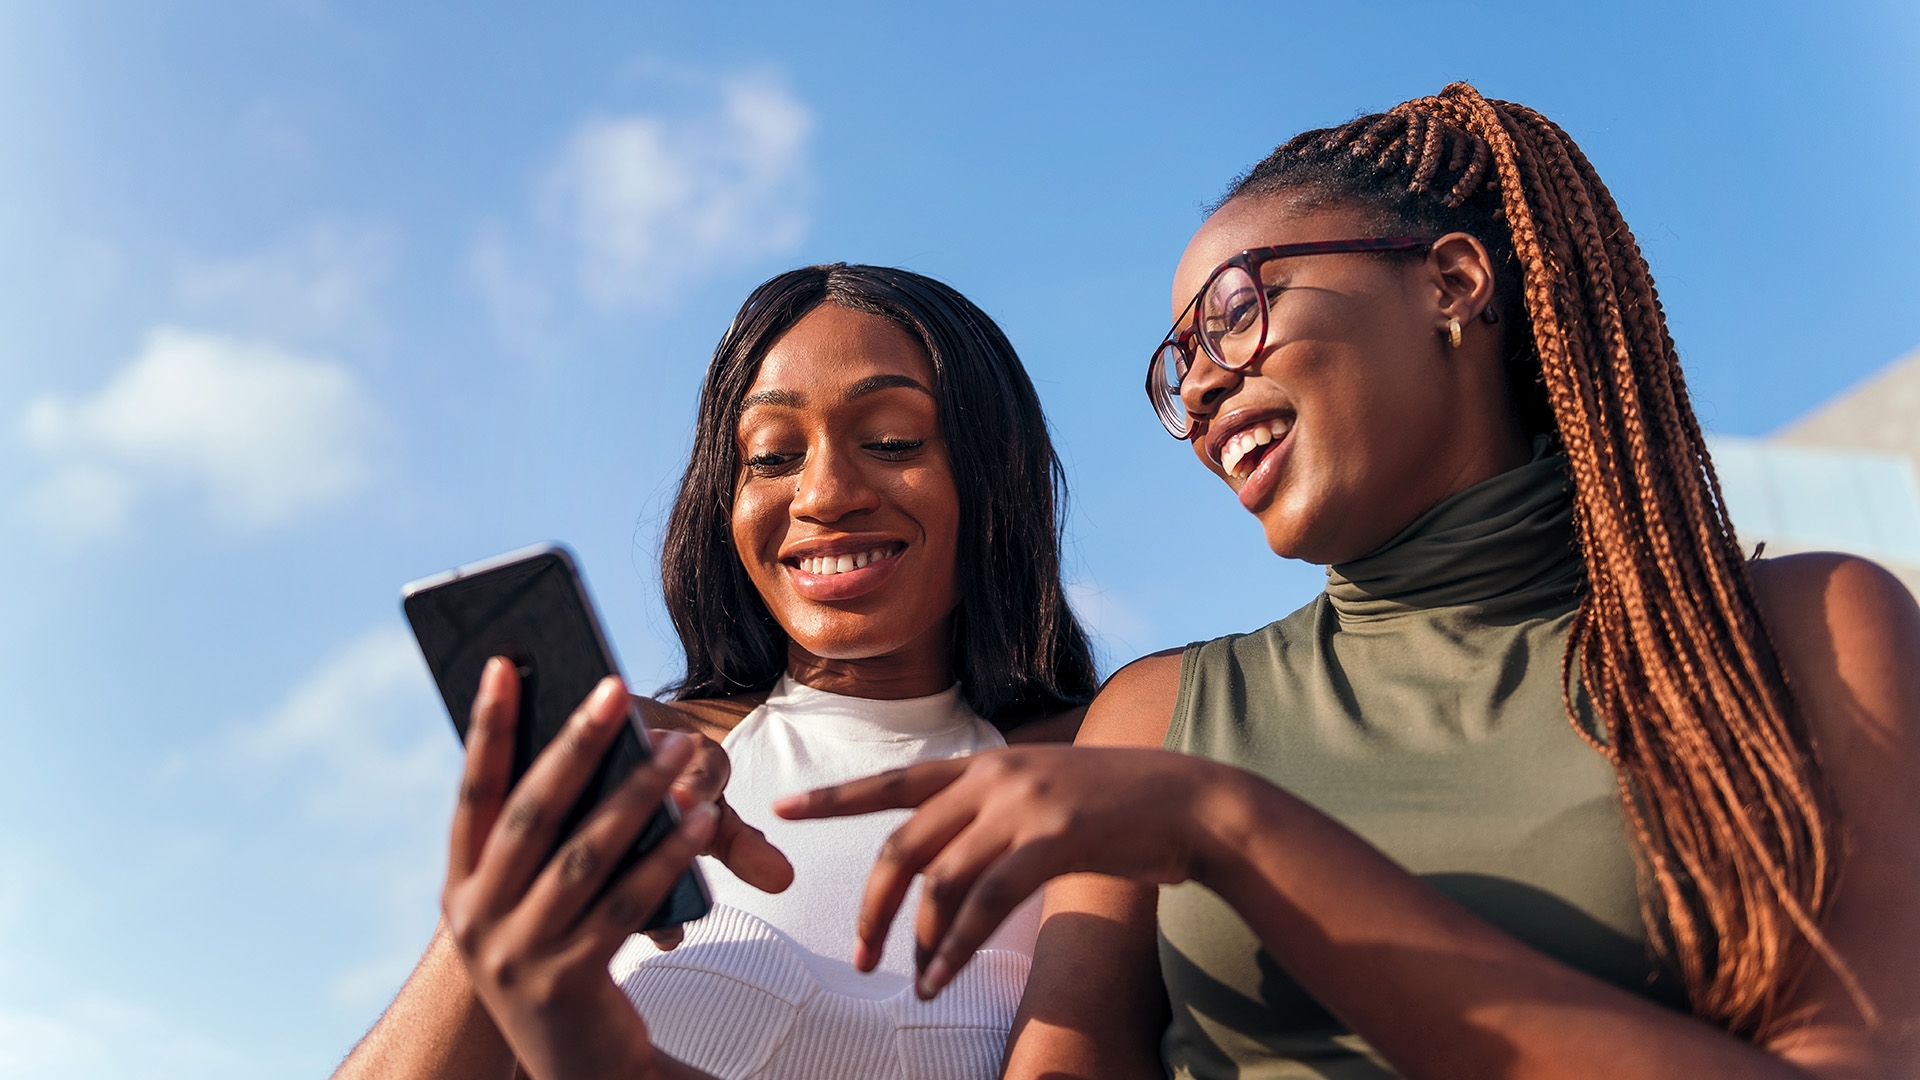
[1418,702]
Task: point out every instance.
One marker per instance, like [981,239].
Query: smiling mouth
[1240,453]
[830,565]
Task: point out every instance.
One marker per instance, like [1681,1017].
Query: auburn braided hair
[1739,841]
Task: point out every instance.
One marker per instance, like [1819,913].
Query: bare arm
[437,1029]
[1094,1004]
[434,1028]
[1436,990]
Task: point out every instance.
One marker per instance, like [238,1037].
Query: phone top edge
[432,581]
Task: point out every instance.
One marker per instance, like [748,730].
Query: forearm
[436,1029]
[1094,1006]
[1436,990]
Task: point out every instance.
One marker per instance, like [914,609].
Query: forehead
[1267,221]
[833,349]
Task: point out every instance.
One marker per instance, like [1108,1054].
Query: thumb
[747,852]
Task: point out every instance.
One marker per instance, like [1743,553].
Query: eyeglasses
[1230,318]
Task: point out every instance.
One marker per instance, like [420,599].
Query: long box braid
[1739,840]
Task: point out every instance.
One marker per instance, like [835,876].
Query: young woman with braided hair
[1551,781]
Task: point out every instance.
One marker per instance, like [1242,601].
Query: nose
[831,487]
[1207,385]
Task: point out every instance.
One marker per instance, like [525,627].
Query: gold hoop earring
[1453,332]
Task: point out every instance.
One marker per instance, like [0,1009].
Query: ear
[1463,272]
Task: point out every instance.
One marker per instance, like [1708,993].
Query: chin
[862,641]
[1294,534]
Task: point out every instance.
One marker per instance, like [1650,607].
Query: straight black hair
[1018,651]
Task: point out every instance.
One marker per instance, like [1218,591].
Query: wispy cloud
[362,739]
[319,283]
[361,752]
[636,207]
[266,434]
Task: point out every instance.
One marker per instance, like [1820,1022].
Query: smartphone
[531,606]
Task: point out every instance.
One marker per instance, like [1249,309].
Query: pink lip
[831,587]
[1258,488]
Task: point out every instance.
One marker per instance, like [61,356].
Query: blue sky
[300,300]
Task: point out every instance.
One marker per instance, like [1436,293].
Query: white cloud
[644,204]
[319,283]
[266,433]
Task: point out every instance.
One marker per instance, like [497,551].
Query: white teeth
[829,565]
[1243,443]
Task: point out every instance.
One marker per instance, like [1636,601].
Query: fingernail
[790,804]
[932,979]
[670,748]
[700,820]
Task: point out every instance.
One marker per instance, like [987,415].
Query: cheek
[934,501]
[1199,448]
[759,523]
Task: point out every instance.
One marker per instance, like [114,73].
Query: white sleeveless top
[762,987]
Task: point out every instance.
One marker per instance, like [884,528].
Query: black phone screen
[532,608]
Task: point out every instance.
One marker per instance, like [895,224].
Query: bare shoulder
[1848,633]
[1135,707]
[711,717]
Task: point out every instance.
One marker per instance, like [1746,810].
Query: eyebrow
[787,398]
[871,385]
[877,383]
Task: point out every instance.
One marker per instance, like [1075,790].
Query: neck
[920,668]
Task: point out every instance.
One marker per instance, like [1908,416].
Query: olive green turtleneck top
[1418,701]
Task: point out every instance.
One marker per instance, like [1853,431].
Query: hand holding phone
[536,933]
[531,607]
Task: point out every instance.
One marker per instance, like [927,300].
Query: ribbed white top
[762,988]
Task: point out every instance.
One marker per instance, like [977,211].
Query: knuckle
[943,891]
[995,893]
[478,792]
[523,817]
[501,968]
[894,850]
[581,863]
[465,935]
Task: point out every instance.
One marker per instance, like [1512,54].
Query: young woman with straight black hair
[862,565]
